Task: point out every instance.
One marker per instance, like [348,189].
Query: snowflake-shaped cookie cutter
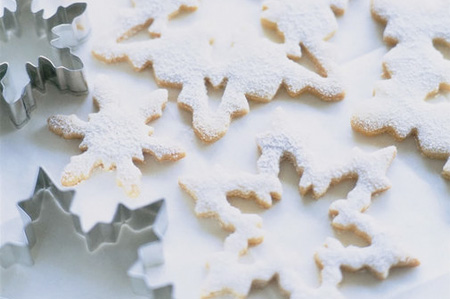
[152,216]
[65,29]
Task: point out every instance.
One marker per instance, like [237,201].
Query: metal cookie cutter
[142,285]
[152,216]
[151,257]
[67,28]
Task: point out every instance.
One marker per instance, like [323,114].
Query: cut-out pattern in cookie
[415,70]
[114,137]
[153,14]
[253,69]
[307,23]
[228,274]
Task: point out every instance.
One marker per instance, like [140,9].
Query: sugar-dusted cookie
[306,23]
[415,71]
[114,137]
[254,68]
[228,274]
[210,193]
[153,14]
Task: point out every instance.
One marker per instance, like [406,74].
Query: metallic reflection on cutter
[152,216]
[67,28]
[29,210]
[151,256]
[142,285]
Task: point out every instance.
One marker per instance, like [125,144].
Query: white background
[417,207]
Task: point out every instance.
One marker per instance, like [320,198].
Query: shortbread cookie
[153,14]
[114,137]
[210,194]
[229,275]
[307,23]
[254,69]
[414,70]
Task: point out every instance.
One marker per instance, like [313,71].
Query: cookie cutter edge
[152,216]
[71,20]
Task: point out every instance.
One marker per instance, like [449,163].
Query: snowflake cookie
[153,14]
[307,23]
[114,137]
[415,70]
[254,68]
[229,275]
[210,193]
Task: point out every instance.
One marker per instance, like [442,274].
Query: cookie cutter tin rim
[65,29]
[152,216]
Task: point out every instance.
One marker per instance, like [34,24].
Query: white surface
[417,207]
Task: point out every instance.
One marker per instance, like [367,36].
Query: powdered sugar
[307,23]
[114,137]
[153,12]
[253,68]
[416,70]
[229,275]
[211,191]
